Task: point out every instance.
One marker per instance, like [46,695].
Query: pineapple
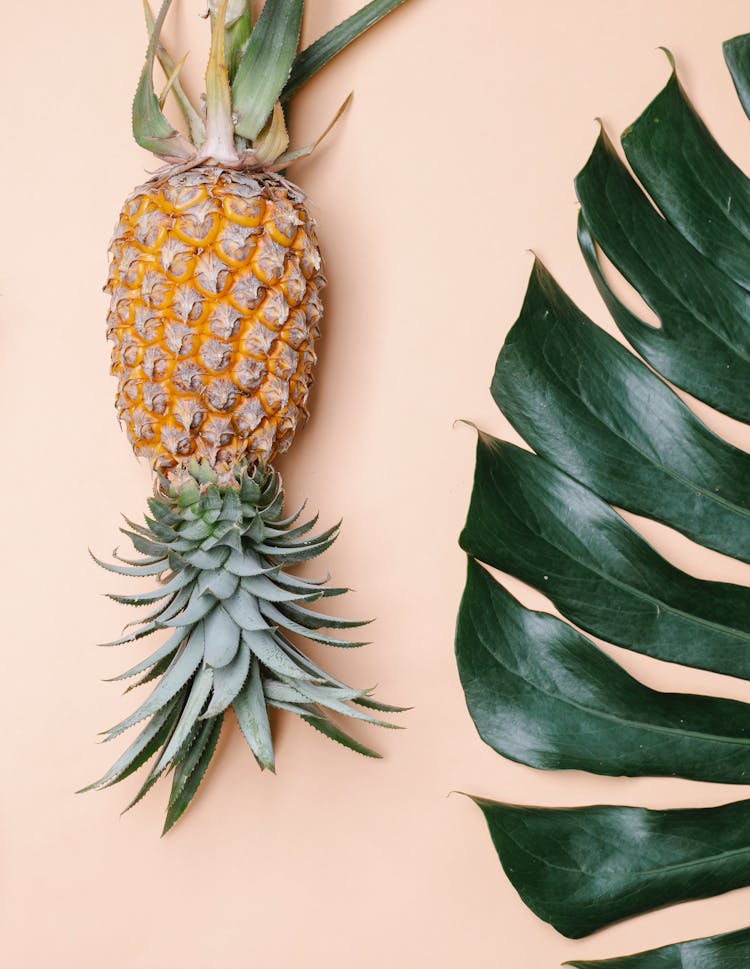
[214,281]
[215,278]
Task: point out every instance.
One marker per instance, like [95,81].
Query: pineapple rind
[231,622]
[215,280]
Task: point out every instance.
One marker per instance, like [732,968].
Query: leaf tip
[467,423]
[670,57]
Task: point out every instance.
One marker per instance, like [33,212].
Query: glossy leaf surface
[583,868]
[541,693]
[615,426]
[609,432]
[703,341]
[737,56]
[701,192]
[530,519]
[729,951]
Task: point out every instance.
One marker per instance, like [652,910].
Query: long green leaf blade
[151,129]
[192,118]
[190,772]
[615,426]
[165,651]
[145,745]
[178,675]
[228,681]
[265,65]
[700,190]
[200,690]
[728,951]
[533,521]
[703,341]
[252,716]
[737,57]
[542,694]
[309,61]
[333,731]
[583,868]
[236,37]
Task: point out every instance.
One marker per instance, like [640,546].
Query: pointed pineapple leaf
[213,559]
[179,673]
[317,620]
[222,637]
[176,583]
[145,745]
[157,670]
[190,772]
[220,583]
[247,564]
[328,728]
[166,649]
[243,608]
[250,709]
[265,65]
[263,645]
[193,120]
[228,681]
[309,61]
[154,568]
[199,692]
[273,615]
[151,129]
[191,612]
[262,587]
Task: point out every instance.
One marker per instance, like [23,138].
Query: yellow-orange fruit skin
[215,280]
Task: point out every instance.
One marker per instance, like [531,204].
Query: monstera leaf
[608,431]
[729,951]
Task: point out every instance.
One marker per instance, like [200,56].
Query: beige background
[469,123]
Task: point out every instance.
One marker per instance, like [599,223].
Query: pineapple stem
[219,144]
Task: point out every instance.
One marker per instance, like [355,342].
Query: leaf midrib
[638,593]
[656,728]
[640,872]
[691,486]
[690,311]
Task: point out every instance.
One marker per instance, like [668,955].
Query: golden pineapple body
[214,281]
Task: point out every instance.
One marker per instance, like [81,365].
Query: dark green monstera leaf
[583,868]
[729,951]
[608,432]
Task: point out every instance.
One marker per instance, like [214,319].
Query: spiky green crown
[254,68]
[220,549]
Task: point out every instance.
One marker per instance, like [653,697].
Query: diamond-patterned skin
[215,280]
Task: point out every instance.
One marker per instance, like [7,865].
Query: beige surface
[457,155]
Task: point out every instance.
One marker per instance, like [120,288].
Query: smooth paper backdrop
[468,125]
